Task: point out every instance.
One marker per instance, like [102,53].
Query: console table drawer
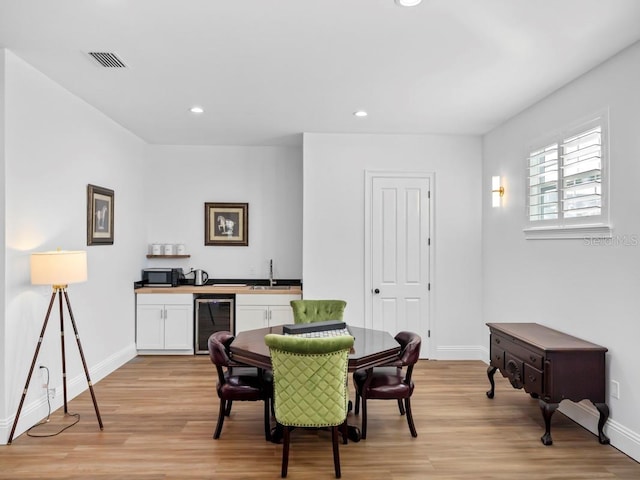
[533,380]
[528,356]
[497,357]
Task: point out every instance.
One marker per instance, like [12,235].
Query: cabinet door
[250,317]
[280,315]
[150,327]
[178,327]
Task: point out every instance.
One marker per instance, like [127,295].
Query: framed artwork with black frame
[99,215]
[226,224]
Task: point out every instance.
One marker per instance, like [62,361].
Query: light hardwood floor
[159,414]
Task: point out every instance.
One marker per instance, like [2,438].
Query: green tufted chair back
[308,311]
[309,379]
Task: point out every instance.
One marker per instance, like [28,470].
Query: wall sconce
[497,191]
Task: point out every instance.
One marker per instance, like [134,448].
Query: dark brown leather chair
[237,382]
[391,382]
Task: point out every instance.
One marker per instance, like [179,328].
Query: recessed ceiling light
[408,3]
[360,113]
[196,110]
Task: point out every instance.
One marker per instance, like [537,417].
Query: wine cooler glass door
[212,315]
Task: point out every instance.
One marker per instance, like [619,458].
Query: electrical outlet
[614,390]
[52,393]
[43,376]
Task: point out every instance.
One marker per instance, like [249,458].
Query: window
[566,184]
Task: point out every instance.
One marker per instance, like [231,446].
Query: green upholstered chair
[308,311]
[310,385]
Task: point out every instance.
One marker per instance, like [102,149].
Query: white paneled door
[398,247]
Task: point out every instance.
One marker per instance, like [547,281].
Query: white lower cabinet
[259,311]
[164,323]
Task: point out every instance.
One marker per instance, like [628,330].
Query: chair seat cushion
[359,376]
[242,387]
[243,371]
[386,383]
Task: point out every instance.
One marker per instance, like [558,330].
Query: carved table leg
[547,411]
[603,408]
[490,372]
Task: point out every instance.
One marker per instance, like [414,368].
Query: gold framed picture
[226,224]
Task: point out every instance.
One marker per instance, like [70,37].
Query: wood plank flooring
[159,414]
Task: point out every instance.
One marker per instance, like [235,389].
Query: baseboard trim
[459,352]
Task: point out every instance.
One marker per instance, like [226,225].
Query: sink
[268,287]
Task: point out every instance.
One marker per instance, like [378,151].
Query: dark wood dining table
[371,348]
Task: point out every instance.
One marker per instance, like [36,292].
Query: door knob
[376,291]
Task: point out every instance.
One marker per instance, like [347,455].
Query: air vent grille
[108,60]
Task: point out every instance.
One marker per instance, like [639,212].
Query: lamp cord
[46,420]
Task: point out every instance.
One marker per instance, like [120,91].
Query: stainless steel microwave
[162,277]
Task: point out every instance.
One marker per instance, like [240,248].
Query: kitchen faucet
[271,280]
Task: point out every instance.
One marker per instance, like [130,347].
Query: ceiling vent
[107,59]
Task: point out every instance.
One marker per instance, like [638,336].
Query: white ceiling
[267,70]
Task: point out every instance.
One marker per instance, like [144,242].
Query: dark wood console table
[551,366]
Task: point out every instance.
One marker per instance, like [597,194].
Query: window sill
[568,232]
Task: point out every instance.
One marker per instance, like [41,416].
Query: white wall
[3,357]
[333,225]
[586,290]
[181,179]
[56,144]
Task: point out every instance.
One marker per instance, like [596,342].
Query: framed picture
[99,215]
[226,224]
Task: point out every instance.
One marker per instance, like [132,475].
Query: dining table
[371,348]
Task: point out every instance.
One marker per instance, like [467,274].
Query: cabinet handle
[497,340]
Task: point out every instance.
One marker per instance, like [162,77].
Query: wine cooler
[213,313]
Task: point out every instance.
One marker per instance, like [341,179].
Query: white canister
[156,249]
[168,249]
[180,249]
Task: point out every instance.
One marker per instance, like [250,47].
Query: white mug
[156,249]
[168,249]
[180,249]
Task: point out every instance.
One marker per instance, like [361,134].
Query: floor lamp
[59,269]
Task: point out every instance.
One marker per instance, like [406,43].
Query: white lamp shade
[58,268]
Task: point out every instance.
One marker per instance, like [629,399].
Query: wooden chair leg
[267,420]
[364,418]
[345,432]
[356,409]
[400,406]
[336,452]
[412,427]
[221,414]
[285,450]
[228,410]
